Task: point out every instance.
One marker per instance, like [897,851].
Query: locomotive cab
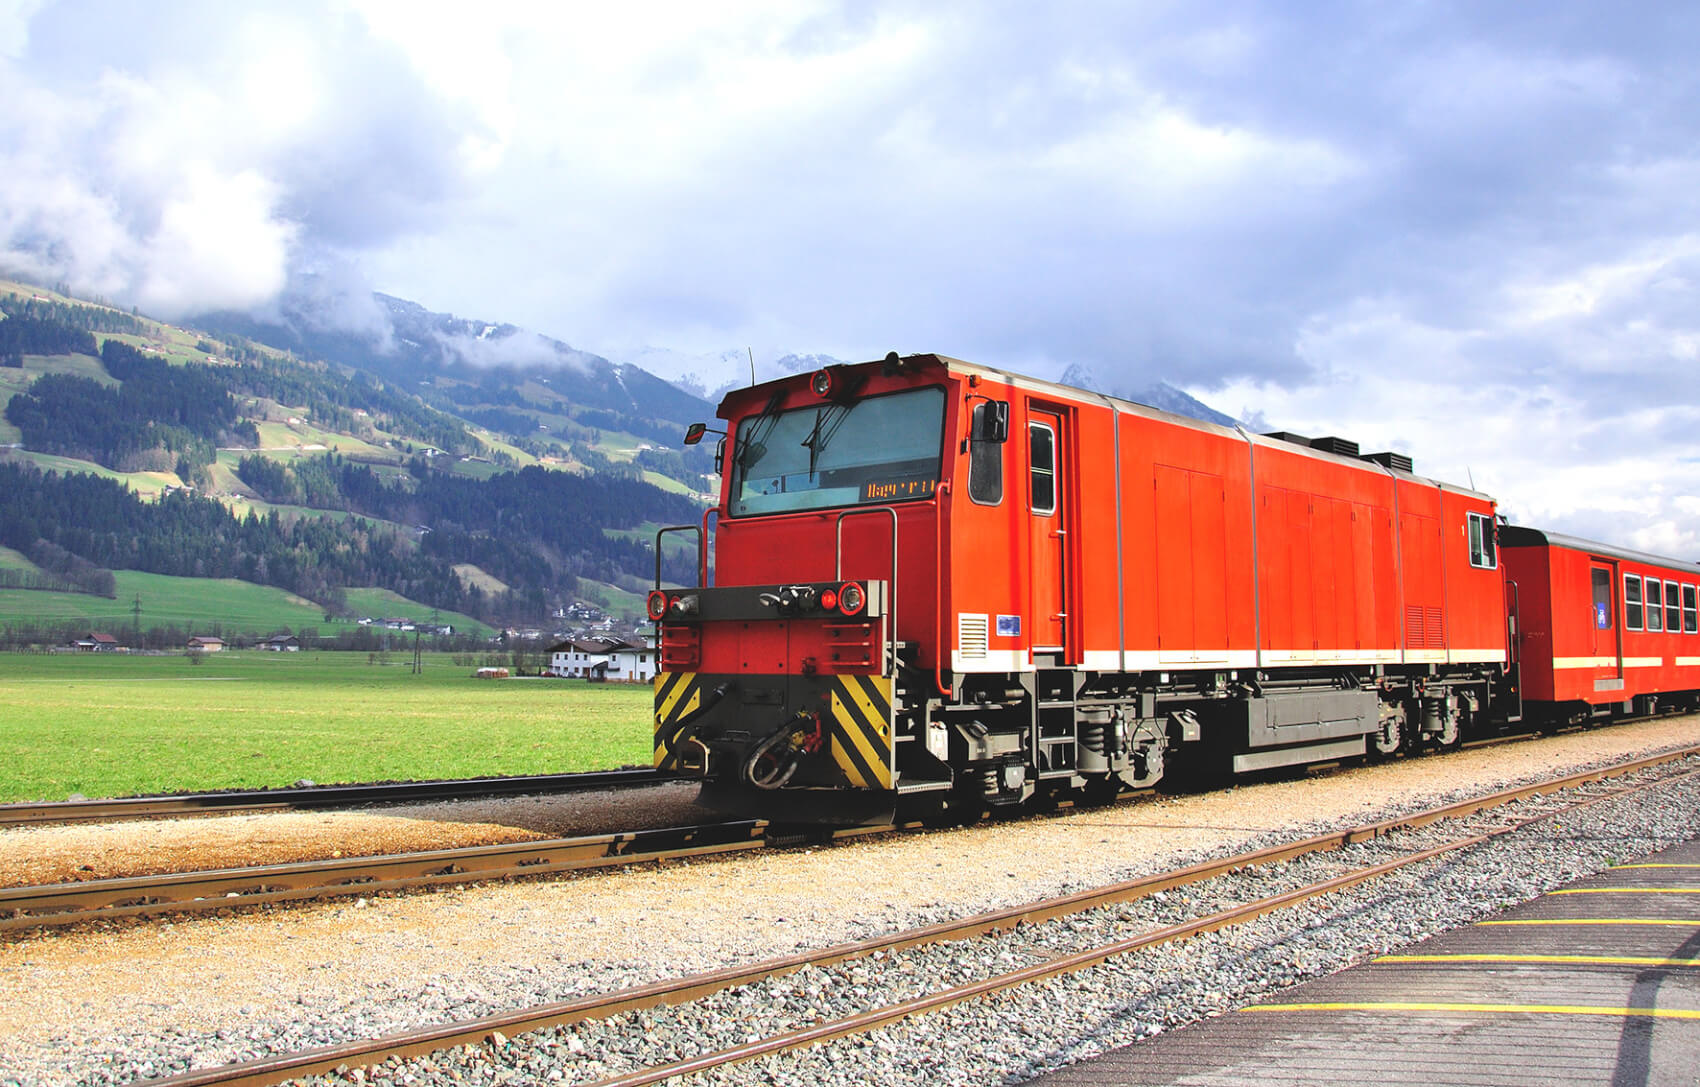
[790,672]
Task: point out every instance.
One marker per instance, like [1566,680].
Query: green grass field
[116,725]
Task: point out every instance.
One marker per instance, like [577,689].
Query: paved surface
[1597,983]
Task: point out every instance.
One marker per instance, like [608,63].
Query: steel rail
[875,1018]
[278,1069]
[319,796]
[223,888]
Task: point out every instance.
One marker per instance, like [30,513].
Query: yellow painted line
[1694,923]
[1626,891]
[1554,960]
[1482,1009]
[1617,867]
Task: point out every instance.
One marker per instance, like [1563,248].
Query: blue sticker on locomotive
[1602,615]
[1009,626]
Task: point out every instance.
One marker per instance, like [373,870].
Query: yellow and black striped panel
[860,730]
[676,695]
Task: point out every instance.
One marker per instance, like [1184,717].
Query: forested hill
[228,458]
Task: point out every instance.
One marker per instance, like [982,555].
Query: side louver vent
[972,636]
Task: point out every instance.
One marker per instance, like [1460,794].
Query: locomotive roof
[1133,407]
[1523,536]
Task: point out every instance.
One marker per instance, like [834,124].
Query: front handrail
[701,550]
[890,611]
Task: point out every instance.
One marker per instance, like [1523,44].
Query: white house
[604,659]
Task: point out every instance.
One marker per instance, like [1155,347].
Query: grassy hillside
[235,607]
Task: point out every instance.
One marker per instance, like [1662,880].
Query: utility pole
[137,611]
[418,665]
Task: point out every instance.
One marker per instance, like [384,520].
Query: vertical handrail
[890,616]
[702,545]
[675,528]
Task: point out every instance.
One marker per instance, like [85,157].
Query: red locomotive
[939,584]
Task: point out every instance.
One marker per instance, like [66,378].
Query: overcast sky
[1469,231]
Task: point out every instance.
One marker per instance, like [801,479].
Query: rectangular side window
[1483,554]
[985,460]
[1602,599]
[1631,602]
[1042,443]
[1655,614]
[1673,608]
[1690,620]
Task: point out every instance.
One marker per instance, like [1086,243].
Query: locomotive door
[1048,602]
[1608,650]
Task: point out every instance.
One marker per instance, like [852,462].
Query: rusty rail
[223,888]
[319,796]
[278,1069]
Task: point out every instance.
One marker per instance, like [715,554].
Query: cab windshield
[882,449]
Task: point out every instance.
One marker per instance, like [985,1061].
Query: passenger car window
[1655,614]
[1690,620]
[1673,609]
[1631,602]
[1602,598]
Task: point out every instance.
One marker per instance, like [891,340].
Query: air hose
[773,761]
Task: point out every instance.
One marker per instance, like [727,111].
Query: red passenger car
[939,581]
[1601,629]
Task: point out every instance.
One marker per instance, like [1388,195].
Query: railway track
[56,904]
[998,923]
[318,797]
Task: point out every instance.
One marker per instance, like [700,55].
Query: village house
[604,659]
[201,643]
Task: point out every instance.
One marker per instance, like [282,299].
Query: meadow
[108,725]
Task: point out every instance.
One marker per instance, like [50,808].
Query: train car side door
[1047,536]
[1607,631]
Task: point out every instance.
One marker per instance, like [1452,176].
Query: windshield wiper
[754,447]
[827,422]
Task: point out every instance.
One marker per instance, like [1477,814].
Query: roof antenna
[752,352]
[1472,476]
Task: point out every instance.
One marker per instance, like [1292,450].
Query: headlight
[851,598]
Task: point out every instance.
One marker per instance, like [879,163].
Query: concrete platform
[1597,983]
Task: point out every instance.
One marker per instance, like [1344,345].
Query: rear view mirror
[694,433]
[991,422]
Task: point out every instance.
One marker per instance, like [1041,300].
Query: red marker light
[828,599]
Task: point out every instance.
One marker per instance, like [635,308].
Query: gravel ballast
[137,1001]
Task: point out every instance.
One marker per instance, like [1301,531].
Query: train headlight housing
[821,382]
[851,598]
[656,605]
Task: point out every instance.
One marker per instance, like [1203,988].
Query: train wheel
[1391,737]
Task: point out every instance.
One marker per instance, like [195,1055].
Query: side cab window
[1483,552]
[987,434]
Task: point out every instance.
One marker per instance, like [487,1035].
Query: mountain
[1162,396]
[403,461]
[532,387]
